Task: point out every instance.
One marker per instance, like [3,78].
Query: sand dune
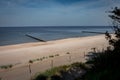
[20,54]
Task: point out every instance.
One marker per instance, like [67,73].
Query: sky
[55,12]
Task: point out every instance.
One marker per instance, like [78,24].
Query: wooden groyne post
[35,38]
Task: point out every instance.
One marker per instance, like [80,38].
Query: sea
[17,35]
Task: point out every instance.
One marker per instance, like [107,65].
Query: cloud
[44,3]
[54,12]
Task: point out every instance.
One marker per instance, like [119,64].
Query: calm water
[16,35]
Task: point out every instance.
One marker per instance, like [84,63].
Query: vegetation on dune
[50,73]
[66,72]
[43,58]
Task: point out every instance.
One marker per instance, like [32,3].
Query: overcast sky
[55,12]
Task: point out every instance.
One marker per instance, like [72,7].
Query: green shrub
[57,55]
[52,72]
[38,59]
[6,66]
[51,56]
[57,73]
[80,64]
[30,61]
[41,59]
[67,53]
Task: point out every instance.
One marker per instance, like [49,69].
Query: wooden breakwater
[35,38]
[93,32]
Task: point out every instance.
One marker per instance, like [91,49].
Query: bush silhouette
[105,65]
[41,77]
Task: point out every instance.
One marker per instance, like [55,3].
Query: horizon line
[57,26]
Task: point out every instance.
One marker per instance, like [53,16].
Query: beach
[19,55]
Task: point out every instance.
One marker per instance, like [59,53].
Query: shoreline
[31,44]
[48,40]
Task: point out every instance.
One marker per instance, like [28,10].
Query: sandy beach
[19,55]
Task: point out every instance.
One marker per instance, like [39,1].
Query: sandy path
[22,53]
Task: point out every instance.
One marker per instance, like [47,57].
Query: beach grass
[58,72]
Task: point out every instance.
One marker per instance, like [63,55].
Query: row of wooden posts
[51,64]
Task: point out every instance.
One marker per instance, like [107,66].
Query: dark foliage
[56,77]
[105,65]
[41,77]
